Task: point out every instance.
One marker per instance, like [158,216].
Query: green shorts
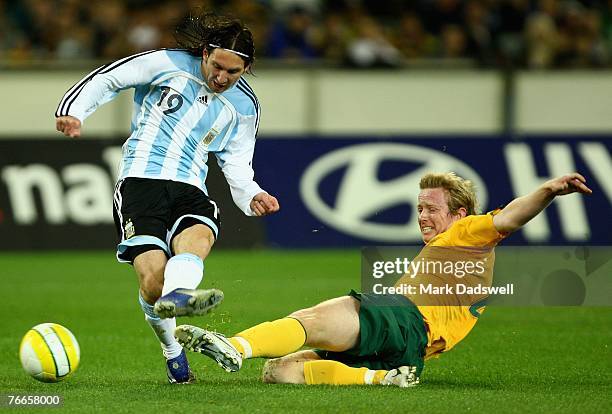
[392,334]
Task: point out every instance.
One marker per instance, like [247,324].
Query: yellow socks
[284,336]
[336,373]
[270,339]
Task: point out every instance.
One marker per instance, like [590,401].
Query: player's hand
[567,184]
[69,126]
[263,204]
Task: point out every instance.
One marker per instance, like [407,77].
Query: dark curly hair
[201,29]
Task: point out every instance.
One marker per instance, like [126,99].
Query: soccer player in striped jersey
[384,339]
[189,102]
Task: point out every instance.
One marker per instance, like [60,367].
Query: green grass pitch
[515,360]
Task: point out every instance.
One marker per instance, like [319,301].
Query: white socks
[163,329]
[184,270]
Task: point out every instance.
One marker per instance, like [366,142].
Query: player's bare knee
[280,371]
[274,372]
[332,325]
[302,314]
[267,374]
[151,283]
[150,289]
[197,239]
[307,317]
[314,325]
[148,297]
[149,267]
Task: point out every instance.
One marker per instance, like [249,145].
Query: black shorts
[149,213]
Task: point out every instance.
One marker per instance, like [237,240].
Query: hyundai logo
[361,194]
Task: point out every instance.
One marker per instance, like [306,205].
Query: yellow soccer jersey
[450,317]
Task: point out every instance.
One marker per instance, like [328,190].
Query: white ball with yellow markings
[49,352]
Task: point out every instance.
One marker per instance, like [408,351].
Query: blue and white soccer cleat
[178,370]
[212,344]
[402,377]
[187,302]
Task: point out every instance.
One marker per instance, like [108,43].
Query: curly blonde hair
[461,192]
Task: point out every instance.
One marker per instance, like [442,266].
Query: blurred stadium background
[506,92]
[358,98]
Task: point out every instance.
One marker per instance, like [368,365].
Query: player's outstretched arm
[263,204]
[522,209]
[68,125]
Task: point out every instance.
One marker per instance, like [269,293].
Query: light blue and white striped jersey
[177,120]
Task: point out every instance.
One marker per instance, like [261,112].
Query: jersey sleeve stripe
[77,86]
[255,104]
[249,96]
[246,89]
[73,93]
[244,83]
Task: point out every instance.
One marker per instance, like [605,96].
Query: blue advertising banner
[359,191]
[334,192]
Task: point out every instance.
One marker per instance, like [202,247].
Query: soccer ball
[49,352]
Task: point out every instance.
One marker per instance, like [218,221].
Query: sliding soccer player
[385,338]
